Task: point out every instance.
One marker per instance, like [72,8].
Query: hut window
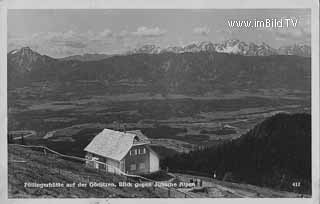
[133,167]
[144,151]
[135,151]
[142,166]
[130,152]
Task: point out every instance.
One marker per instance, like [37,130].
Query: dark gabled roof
[141,138]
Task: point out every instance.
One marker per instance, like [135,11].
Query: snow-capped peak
[13,52]
[296,49]
[233,46]
[146,49]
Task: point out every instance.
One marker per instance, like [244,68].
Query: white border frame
[161,4]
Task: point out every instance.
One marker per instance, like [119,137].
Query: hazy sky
[59,33]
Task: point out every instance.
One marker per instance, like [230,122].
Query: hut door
[122,165]
[96,164]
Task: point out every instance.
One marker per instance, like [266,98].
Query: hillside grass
[26,165]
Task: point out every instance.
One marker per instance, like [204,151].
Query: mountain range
[229,46]
[165,72]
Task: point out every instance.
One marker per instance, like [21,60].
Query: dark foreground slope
[276,153]
[27,165]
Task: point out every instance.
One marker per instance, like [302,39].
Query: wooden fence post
[22,140]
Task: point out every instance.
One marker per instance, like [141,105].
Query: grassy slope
[43,169]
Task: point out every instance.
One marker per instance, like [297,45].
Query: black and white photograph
[159,103]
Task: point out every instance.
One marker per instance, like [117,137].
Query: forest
[276,153]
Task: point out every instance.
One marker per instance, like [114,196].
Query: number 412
[296,184]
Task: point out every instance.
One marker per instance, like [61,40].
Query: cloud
[60,36]
[201,30]
[123,33]
[149,32]
[298,34]
[75,44]
[225,34]
[68,39]
[64,43]
[106,33]
[301,33]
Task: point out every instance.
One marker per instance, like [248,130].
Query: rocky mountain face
[23,62]
[168,72]
[297,49]
[25,59]
[25,66]
[229,46]
[242,48]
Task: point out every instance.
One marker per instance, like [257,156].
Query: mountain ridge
[166,72]
[233,46]
[228,46]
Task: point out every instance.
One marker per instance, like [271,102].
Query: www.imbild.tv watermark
[264,23]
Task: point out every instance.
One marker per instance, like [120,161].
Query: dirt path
[216,188]
[25,133]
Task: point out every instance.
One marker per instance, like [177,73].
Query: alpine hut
[116,152]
